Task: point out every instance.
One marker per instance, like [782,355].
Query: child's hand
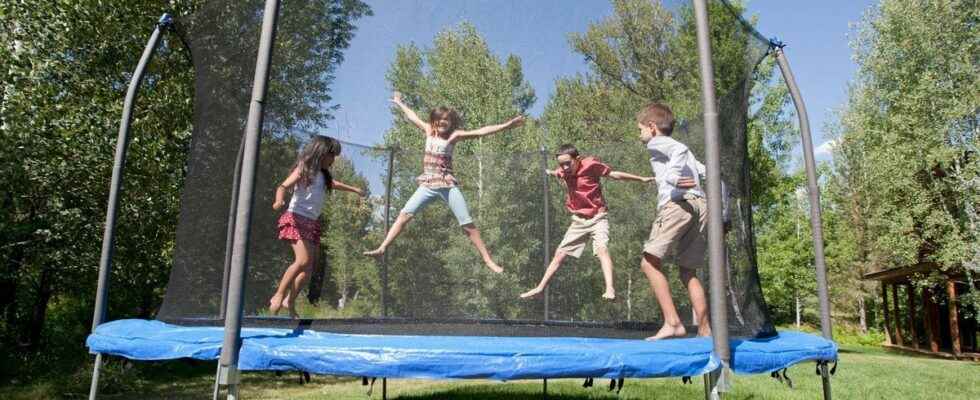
[396,97]
[278,204]
[360,192]
[648,179]
[516,121]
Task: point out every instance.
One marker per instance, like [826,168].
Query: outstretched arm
[396,98]
[488,130]
[347,188]
[624,176]
[285,185]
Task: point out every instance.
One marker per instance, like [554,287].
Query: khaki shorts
[581,230]
[681,229]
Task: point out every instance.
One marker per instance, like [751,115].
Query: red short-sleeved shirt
[584,189]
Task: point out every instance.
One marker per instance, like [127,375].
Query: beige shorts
[581,230]
[681,229]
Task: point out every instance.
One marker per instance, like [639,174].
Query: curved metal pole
[109,234]
[716,240]
[813,189]
[228,365]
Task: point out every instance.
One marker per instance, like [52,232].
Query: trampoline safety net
[432,280]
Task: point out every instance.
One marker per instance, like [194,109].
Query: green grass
[864,372]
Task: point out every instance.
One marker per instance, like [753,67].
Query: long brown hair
[443,112]
[309,158]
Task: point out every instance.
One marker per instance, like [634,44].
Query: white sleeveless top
[308,200]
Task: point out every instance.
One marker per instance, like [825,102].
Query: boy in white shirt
[681,224]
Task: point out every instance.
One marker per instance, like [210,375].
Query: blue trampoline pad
[454,357]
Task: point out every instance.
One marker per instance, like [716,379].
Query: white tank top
[308,200]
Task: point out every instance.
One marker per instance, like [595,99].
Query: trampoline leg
[233,392]
[545,392]
[825,378]
[712,383]
[384,388]
[217,387]
[94,390]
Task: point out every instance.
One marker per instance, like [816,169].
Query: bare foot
[286,302]
[376,252]
[531,293]
[609,294]
[669,331]
[704,330]
[494,267]
[275,303]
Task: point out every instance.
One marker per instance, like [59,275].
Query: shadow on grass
[563,389]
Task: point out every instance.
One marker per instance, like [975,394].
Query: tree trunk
[479,185]
[629,298]
[954,323]
[40,309]
[146,304]
[8,287]
[798,309]
[342,301]
[862,314]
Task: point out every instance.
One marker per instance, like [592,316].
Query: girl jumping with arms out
[437,181]
[310,179]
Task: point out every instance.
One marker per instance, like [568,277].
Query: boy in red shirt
[581,177]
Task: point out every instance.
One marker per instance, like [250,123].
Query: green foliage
[786,252]
[461,72]
[905,169]
[63,91]
[65,68]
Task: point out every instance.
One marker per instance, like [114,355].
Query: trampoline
[428,308]
[456,357]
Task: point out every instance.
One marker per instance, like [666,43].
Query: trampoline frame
[228,375]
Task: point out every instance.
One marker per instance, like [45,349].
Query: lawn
[865,372]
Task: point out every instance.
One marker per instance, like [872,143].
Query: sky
[817,35]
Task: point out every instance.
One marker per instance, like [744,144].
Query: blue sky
[817,34]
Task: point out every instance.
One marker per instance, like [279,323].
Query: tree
[908,135]
[64,69]
[644,53]
[438,274]
[62,100]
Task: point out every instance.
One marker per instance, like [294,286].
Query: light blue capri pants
[452,195]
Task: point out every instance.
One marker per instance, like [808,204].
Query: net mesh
[432,280]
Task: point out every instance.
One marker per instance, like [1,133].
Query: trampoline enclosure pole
[716,241]
[230,236]
[813,189]
[228,364]
[122,142]
[547,221]
[387,227]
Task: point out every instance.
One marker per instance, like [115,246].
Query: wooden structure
[924,325]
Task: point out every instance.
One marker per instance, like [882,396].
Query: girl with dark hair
[310,179]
